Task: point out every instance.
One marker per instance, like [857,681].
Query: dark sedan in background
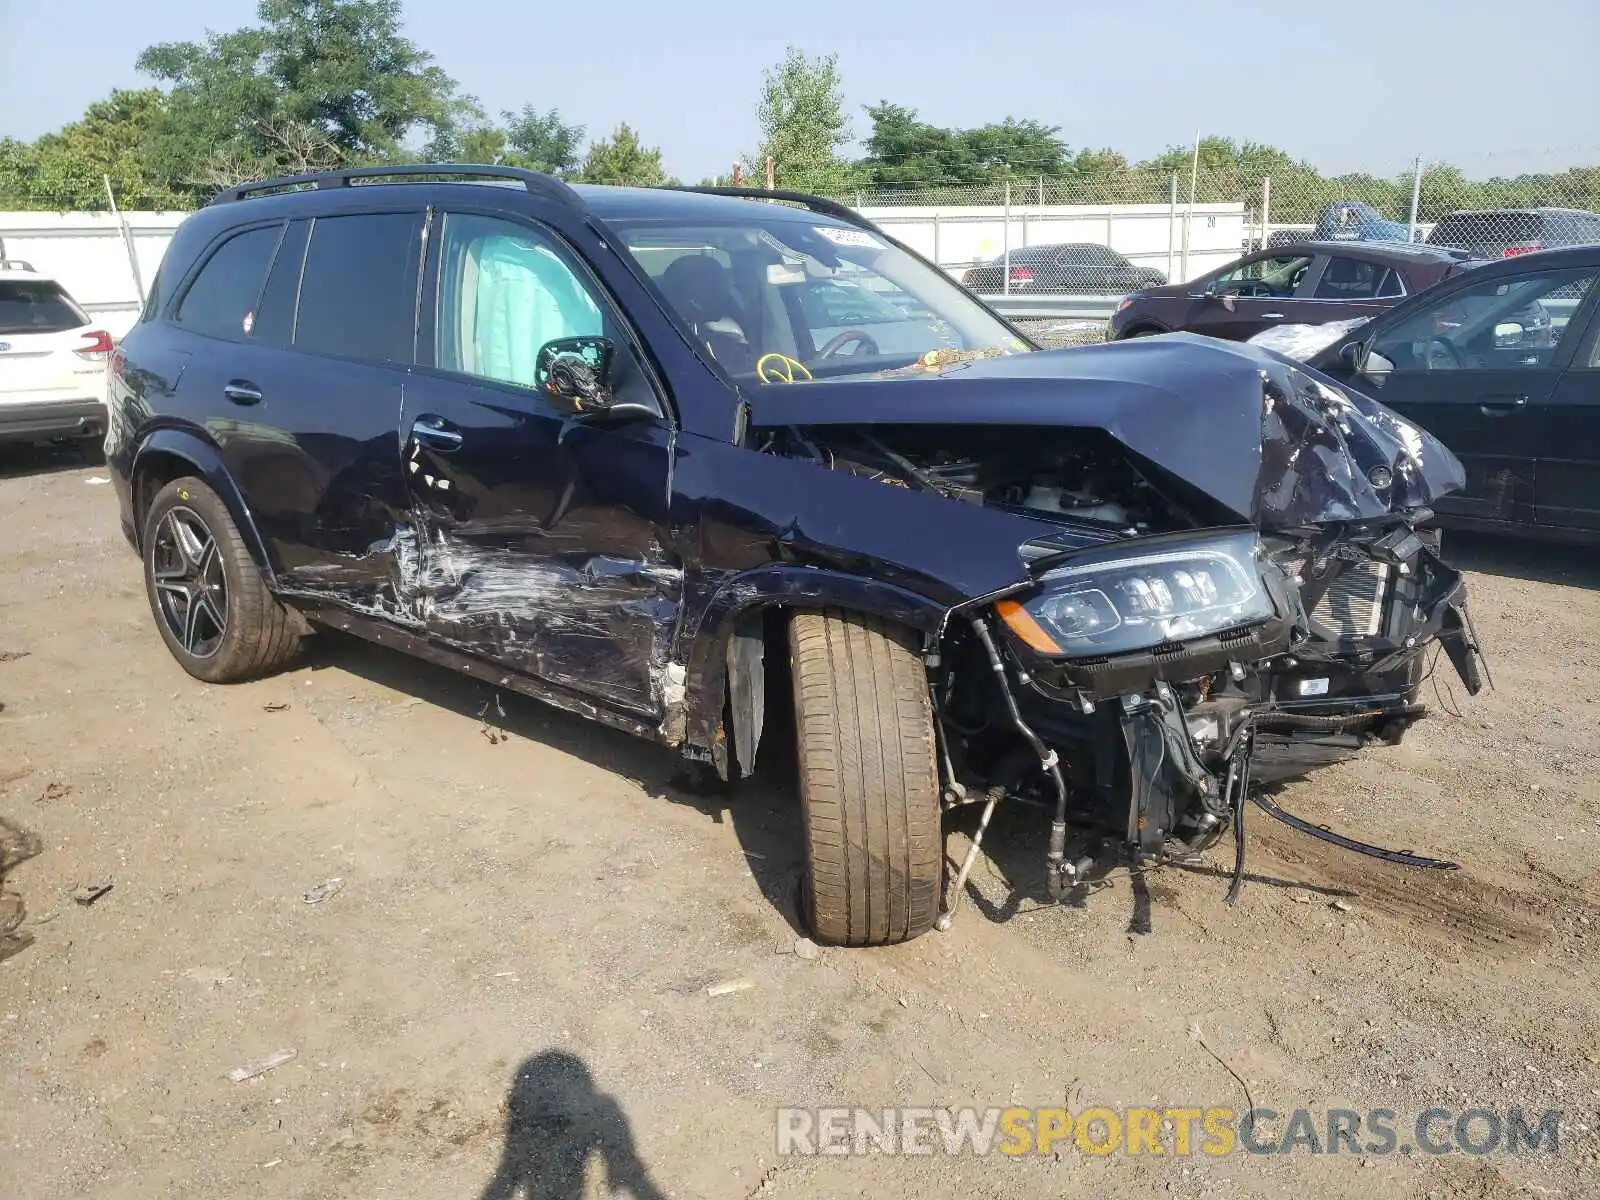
[1071,268]
[1502,364]
[1309,284]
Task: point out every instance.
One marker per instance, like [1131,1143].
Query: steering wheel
[849,337]
[1441,355]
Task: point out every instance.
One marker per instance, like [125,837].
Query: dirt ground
[509,995]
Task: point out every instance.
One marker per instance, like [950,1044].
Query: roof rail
[547,186]
[817,204]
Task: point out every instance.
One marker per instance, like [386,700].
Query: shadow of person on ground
[555,1123]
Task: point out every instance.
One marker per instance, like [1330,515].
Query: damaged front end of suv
[1223,578]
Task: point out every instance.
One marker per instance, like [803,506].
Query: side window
[1392,285]
[1270,277]
[1501,323]
[1350,279]
[505,291]
[221,302]
[358,292]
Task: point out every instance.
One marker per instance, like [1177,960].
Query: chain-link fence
[1112,233]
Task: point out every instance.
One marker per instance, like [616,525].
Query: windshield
[782,294]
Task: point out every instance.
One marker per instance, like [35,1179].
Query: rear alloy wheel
[191,586]
[869,779]
[211,605]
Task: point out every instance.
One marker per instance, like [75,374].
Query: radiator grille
[1353,605]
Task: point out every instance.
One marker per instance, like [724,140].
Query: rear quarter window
[37,306]
[221,302]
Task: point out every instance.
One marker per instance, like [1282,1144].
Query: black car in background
[1070,268]
[646,454]
[1502,364]
[1509,232]
[1309,284]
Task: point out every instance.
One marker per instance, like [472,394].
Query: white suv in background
[52,361]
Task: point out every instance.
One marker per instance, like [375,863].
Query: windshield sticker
[848,237]
[779,274]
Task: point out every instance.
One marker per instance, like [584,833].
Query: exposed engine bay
[1074,483]
[1163,663]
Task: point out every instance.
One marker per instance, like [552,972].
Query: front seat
[701,290]
[1348,277]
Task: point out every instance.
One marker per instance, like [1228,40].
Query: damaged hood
[1275,443]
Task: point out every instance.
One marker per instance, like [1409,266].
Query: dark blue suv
[641,454]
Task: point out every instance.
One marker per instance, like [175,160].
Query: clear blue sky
[1496,88]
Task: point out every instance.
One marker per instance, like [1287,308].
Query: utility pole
[772,177]
[1266,208]
[1005,283]
[1416,194]
[1188,219]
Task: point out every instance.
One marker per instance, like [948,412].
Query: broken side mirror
[574,373]
[578,377]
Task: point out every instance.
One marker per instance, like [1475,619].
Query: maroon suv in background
[1308,283]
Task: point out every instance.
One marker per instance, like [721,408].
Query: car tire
[211,605]
[869,780]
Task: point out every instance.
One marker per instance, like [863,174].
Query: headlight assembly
[1142,597]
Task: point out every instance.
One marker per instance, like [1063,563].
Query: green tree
[530,139]
[1231,170]
[622,159]
[67,170]
[804,126]
[317,83]
[1013,149]
[904,152]
[542,141]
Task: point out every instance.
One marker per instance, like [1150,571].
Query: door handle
[242,391]
[1272,316]
[1501,406]
[436,433]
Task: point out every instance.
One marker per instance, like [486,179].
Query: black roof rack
[547,186]
[817,204]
